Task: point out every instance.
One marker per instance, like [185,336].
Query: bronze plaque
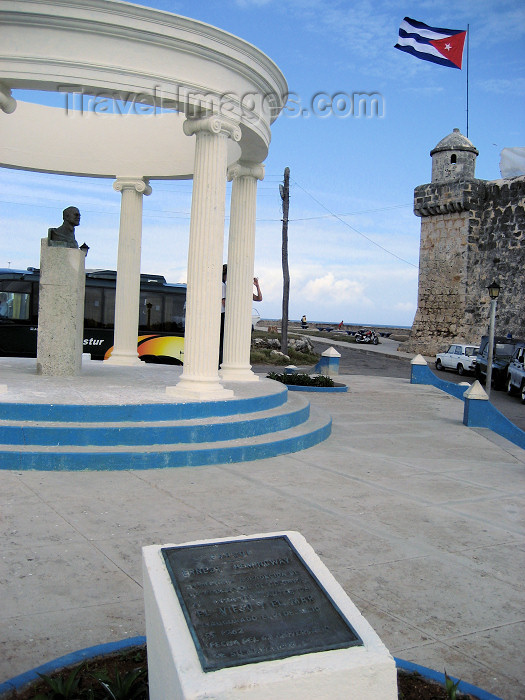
[247,601]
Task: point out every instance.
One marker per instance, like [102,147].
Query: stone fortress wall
[472,233]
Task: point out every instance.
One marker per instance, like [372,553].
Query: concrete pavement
[417,516]
[373,359]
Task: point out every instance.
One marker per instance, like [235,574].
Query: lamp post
[493,294]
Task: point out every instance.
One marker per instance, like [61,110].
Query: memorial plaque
[247,601]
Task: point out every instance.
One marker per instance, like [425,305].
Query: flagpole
[468,38]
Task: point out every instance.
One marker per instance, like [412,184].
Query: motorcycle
[364,335]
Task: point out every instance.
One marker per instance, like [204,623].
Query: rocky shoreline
[400,333]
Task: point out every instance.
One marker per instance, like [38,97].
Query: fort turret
[472,232]
[454,158]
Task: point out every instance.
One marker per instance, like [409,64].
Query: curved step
[151,456]
[264,395]
[27,432]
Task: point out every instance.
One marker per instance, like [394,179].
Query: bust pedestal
[60,310]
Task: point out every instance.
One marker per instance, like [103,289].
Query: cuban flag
[443,46]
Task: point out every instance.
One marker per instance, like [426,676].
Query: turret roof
[455,142]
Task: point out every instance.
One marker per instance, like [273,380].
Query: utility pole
[284,189]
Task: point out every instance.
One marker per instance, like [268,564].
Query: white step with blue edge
[63,446]
[216,428]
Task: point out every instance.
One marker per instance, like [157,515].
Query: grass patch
[342,337]
[263,356]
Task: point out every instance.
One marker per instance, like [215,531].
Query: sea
[349,324]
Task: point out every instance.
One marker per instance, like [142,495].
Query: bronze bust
[64,235]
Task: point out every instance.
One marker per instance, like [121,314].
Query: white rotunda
[199,105]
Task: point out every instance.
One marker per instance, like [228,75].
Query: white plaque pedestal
[60,310]
[175,672]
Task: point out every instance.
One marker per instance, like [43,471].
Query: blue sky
[353,238]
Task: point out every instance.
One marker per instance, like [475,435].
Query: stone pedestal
[175,657]
[60,310]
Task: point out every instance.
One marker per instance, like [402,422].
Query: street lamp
[493,294]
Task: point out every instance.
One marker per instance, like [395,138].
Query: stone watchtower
[471,234]
[454,158]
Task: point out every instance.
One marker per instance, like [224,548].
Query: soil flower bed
[124,676]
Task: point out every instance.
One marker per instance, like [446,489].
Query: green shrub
[319,380]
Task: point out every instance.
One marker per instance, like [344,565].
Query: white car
[459,357]
[516,372]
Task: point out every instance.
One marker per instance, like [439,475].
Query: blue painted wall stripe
[478,413]
[322,389]
[422,374]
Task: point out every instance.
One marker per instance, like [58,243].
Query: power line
[185,215]
[360,233]
[168,213]
[354,213]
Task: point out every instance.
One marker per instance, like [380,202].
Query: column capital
[245,169]
[214,125]
[139,184]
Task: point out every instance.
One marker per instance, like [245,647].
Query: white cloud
[408,306]
[330,289]
[502,86]
[371,294]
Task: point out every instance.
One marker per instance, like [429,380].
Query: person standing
[223,310]
[256,297]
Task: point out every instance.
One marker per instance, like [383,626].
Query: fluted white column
[127,297]
[200,377]
[241,252]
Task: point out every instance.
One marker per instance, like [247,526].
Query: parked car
[503,351]
[459,357]
[516,372]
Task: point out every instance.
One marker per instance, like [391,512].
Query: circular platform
[112,418]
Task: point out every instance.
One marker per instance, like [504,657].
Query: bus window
[108,317]
[161,312]
[15,301]
[93,307]
[151,311]
[174,312]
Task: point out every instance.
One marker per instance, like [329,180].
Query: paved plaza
[417,516]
